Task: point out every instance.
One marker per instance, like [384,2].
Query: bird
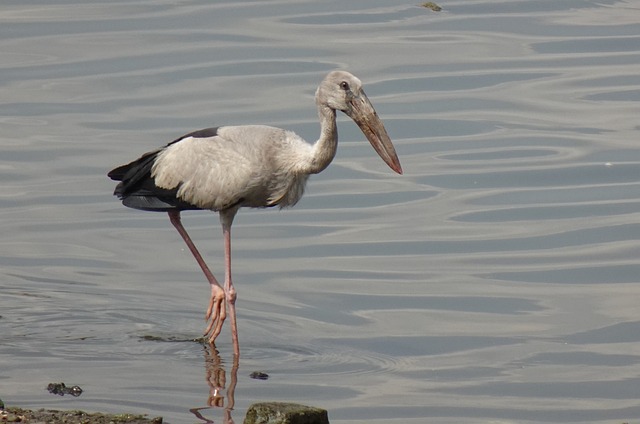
[223,169]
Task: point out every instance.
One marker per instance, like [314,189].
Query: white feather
[251,165]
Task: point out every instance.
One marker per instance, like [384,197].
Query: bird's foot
[216,313]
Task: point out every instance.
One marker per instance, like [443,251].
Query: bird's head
[338,89]
[343,91]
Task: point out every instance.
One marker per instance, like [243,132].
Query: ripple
[562,195]
[554,212]
[337,360]
[589,45]
[494,280]
[453,83]
[601,274]
[623,332]
[344,17]
[616,96]
[554,390]
[584,358]
[578,175]
[417,346]
[499,155]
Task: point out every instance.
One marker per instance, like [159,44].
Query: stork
[225,168]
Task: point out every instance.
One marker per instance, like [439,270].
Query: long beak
[363,114]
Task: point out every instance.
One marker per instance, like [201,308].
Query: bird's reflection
[216,377]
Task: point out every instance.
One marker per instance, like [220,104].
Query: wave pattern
[497,280]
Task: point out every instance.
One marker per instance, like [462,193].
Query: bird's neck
[325,148]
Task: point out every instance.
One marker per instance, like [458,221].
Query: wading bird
[225,168]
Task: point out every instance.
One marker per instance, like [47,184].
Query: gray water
[496,281]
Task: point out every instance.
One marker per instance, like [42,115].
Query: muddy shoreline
[20,415]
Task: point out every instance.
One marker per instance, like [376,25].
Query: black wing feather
[137,188]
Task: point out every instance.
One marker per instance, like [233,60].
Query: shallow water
[495,281]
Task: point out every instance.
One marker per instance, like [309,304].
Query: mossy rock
[19,415]
[285,413]
[431,5]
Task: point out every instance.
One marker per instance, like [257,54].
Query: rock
[259,375]
[431,5]
[61,389]
[285,413]
[19,415]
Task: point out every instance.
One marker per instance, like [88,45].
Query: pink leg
[226,218]
[216,312]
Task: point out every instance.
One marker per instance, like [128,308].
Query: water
[497,280]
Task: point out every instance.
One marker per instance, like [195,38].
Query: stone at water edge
[285,413]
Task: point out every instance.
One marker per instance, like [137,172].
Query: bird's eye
[344,85]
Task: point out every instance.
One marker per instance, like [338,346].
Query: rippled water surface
[496,281]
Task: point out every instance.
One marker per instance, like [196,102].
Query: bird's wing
[216,168]
[217,172]
[137,187]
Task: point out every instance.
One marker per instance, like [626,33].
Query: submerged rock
[259,375]
[285,413]
[61,389]
[431,5]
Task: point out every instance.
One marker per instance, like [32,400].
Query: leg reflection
[217,380]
